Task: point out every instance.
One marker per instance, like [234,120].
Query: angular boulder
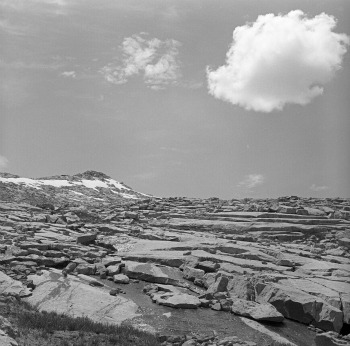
[259,312]
[111,260]
[241,287]
[152,273]
[86,269]
[208,266]
[192,274]
[179,300]
[300,306]
[86,239]
[220,285]
[113,269]
[10,287]
[121,279]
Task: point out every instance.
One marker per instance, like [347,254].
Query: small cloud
[3,162]
[69,74]
[279,59]
[315,187]
[251,181]
[156,60]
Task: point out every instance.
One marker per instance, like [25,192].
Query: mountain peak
[83,188]
[92,175]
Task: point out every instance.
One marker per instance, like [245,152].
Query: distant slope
[90,187]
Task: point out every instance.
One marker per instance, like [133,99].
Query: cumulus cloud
[154,59]
[279,59]
[251,181]
[315,187]
[3,162]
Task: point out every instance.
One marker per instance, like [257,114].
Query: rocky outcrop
[236,255]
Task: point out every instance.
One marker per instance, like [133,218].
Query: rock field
[265,260]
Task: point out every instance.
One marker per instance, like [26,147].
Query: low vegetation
[52,329]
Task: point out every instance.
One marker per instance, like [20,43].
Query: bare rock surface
[73,295]
[11,287]
[291,253]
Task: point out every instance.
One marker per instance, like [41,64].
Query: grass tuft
[62,330]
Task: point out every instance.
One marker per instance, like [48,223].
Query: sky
[197,98]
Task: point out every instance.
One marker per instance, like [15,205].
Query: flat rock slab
[256,311]
[152,273]
[74,296]
[177,300]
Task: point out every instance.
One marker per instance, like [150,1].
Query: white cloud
[3,162]
[279,59]
[315,187]
[71,74]
[251,181]
[156,60]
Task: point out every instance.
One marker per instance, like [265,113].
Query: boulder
[10,287]
[86,239]
[113,270]
[86,269]
[241,287]
[70,267]
[111,260]
[130,215]
[300,306]
[152,273]
[219,285]
[192,274]
[208,266]
[121,279]
[314,211]
[317,289]
[178,300]
[285,209]
[259,312]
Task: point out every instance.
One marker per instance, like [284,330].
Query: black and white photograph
[174,172]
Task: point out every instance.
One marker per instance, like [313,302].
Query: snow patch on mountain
[91,184]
